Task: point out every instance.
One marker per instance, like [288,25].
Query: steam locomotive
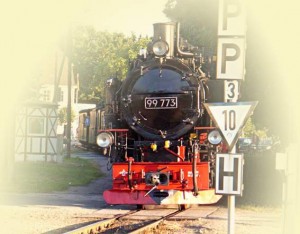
[154,129]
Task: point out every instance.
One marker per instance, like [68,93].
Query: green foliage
[99,56]
[198,19]
[62,115]
[47,177]
[250,129]
[262,133]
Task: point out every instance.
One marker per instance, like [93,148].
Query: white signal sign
[231,40]
[231,90]
[231,58]
[230,118]
[232,18]
[229,174]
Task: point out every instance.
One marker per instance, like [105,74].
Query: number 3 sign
[231,90]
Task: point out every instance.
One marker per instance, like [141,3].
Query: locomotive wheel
[150,207]
[153,207]
[184,206]
[140,207]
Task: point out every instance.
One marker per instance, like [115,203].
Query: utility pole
[69,107]
[57,77]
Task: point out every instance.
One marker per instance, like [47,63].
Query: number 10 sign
[230,118]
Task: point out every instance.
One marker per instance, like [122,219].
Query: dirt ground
[57,219]
[60,211]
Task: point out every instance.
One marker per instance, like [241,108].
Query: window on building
[61,97]
[75,95]
[46,95]
[36,125]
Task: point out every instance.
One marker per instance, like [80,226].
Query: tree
[198,19]
[99,56]
[250,129]
[62,115]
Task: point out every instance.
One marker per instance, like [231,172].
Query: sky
[30,29]
[36,23]
[123,16]
[32,25]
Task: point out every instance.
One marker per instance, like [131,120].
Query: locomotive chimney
[165,32]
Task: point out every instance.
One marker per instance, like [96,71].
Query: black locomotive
[154,127]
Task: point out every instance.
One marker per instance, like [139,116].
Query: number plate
[231,90]
[161,102]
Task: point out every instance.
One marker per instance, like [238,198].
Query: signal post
[230,116]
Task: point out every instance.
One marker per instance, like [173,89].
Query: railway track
[154,223]
[116,224]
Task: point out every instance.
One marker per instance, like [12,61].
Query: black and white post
[231,67]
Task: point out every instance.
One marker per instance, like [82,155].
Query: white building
[54,79]
[54,75]
[35,136]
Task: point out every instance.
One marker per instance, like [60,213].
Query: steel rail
[98,226]
[155,223]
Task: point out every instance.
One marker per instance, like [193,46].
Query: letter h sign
[229,174]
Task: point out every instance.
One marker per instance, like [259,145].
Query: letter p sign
[231,18]
[231,40]
[231,58]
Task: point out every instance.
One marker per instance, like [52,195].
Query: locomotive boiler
[155,130]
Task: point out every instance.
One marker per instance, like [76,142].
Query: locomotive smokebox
[165,32]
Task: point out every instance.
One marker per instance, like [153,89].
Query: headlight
[105,139]
[214,137]
[160,48]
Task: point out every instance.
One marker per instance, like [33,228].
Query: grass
[41,177]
